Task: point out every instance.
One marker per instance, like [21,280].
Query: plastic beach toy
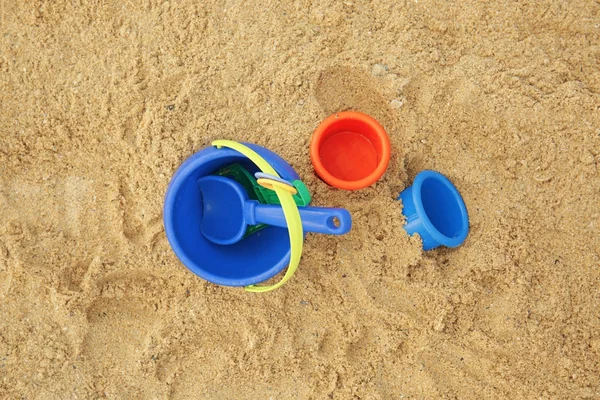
[227,211]
[350,150]
[248,262]
[241,173]
[435,210]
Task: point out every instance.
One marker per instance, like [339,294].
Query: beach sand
[102,101]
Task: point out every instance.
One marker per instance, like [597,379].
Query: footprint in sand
[138,226]
[5,273]
[344,88]
[163,96]
[79,213]
[123,326]
[463,370]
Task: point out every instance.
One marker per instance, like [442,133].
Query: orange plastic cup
[350,150]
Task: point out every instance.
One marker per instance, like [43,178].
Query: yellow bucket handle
[290,211]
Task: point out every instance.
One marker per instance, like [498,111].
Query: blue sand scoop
[227,211]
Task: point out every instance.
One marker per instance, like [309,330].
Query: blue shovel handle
[314,219]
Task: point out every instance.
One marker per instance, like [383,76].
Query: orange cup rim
[340,183]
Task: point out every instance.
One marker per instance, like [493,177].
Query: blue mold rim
[447,203]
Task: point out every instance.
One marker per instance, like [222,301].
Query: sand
[102,101]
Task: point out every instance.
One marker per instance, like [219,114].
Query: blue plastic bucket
[255,259]
[435,210]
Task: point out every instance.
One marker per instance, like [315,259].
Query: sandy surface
[100,102]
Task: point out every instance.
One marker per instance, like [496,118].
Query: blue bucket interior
[251,260]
